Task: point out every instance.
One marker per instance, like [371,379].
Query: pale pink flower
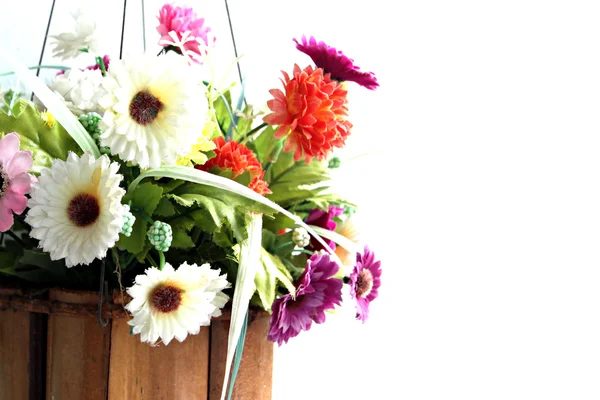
[15,181]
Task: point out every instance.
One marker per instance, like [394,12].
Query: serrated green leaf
[145,196]
[144,200]
[165,208]
[135,242]
[44,142]
[181,240]
[271,271]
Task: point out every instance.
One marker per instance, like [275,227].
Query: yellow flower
[48,118]
[196,155]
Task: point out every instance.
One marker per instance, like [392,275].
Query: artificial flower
[311,114]
[349,230]
[105,61]
[80,90]
[71,44]
[365,281]
[171,303]
[180,27]
[234,156]
[323,219]
[259,185]
[75,208]
[316,292]
[335,63]
[15,181]
[155,110]
[198,153]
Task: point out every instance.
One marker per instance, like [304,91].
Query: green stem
[305,251]
[152,261]
[41,67]
[161,255]
[248,135]
[100,62]
[273,159]
[16,238]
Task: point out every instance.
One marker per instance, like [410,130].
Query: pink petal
[6,217]
[21,162]
[21,184]
[15,202]
[9,145]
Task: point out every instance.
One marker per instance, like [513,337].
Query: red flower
[234,156]
[312,111]
[239,159]
[259,186]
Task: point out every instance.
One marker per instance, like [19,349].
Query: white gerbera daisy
[75,208]
[70,44]
[172,303]
[155,110]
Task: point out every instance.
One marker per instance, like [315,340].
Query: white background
[480,194]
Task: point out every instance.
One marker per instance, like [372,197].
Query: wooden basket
[52,347]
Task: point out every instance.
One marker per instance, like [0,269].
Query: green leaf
[249,256]
[264,145]
[144,200]
[44,142]
[223,110]
[295,181]
[181,240]
[145,196]
[42,260]
[165,208]
[271,271]
[51,101]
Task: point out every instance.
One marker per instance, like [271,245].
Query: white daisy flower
[75,208]
[172,303]
[155,110]
[69,44]
[80,90]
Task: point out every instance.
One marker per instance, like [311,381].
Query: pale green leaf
[271,271]
[53,104]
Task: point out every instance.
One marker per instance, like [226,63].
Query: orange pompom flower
[234,156]
[239,159]
[312,112]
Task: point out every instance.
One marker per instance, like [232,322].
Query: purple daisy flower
[336,63]
[323,219]
[316,292]
[365,280]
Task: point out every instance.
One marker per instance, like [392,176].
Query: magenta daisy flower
[323,219]
[334,62]
[316,292]
[365,280]
[15,180]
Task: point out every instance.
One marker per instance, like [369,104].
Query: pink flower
[15,182]
[181,20]
[365,281]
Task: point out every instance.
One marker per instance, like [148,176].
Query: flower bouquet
[143,177]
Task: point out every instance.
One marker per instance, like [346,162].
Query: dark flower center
[3,182]
[84,209]
[144,108]
[166,298]
[364,283]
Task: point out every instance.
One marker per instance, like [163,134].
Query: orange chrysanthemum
[234,156]
[239,159]
[259,185]
[312,111]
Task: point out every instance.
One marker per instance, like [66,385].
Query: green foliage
[144,201]
[214,210]
[45,142]
[270,272]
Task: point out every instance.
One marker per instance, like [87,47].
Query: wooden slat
[78,351]
[139,371]
[254,379]
[14,347]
